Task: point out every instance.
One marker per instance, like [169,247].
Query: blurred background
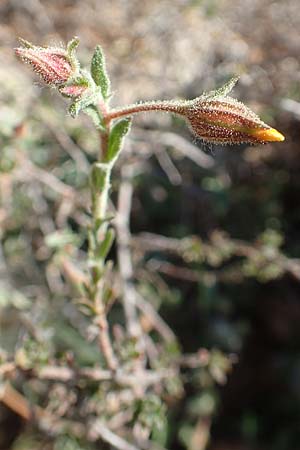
[215,230]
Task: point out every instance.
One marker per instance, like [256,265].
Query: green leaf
[72,45]
[99,73]
[105,246]
[96,269]
[224,90]
[71,51]
[25,43]
[94,114]
[74,109]
[116,138]
[82,103]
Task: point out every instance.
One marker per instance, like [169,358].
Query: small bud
[73,90]
[227,121]
[52,64]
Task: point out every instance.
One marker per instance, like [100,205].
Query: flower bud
[52,64]
[73,90]
[224,120]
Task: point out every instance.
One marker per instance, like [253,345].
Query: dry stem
[124,255]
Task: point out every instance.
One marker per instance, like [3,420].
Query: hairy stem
[100,201]
[98,232]
[163,106]
[100,225]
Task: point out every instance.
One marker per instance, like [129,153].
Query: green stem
[101,174]
[100,185]
[100,200]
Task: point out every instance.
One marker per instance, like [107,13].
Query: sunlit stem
[175,107]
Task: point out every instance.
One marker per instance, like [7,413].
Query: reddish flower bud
[224,120]
[73,90]
[52,64]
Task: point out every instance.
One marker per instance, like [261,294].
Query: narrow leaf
[71,50]
[116,138]
[106,244]
[72,45]
[224,90]
[25,43]
[99,73]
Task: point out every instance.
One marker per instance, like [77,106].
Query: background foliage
[222,267]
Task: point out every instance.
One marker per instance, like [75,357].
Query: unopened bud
[227,121]
[73,90]
[52,64]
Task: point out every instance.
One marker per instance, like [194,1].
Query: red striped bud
[227,121]
[219,119]
[52,64]
[73,90]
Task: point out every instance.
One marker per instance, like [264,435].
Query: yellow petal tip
[269,135]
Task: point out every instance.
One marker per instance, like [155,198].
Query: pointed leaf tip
[116,137]
[223,90]
[99,73]
[24,43]
[72,44]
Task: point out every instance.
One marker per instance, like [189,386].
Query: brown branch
[17,402]
[179,143]
[104,338]
[28,170]
[173,271]
[157,322]
[59,373]
[150,241]
[64,374]
[168,166]
[99,430]
[124,254]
